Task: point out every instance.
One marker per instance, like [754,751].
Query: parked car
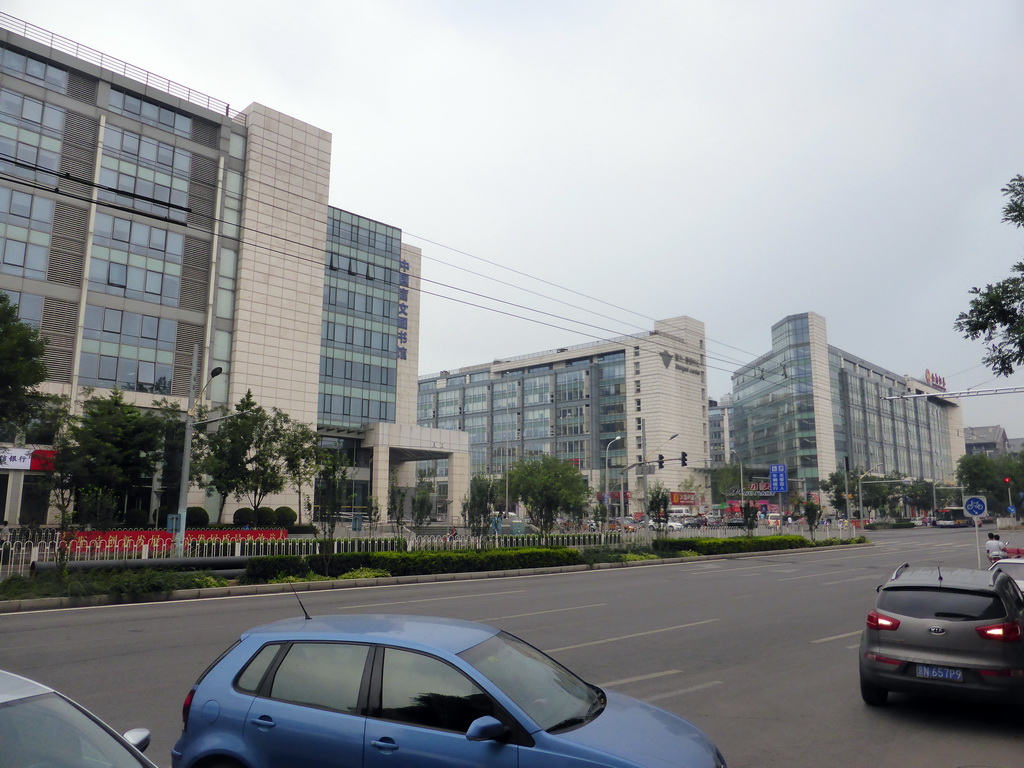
[1014,566]
[41,727]
[735,522]
[944,631]
[368,689]
[691,522]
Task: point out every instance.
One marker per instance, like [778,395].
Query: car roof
[420,632]
[13,687]
[937,576]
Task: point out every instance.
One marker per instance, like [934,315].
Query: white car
[1012,567]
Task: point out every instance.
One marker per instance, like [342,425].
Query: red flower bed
[129,540]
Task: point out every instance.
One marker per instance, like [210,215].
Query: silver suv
[944,631]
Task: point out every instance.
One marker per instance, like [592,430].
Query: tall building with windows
[611,407]
[721,443]
[818,409]
[142,222]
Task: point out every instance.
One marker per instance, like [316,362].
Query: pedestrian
[994,548]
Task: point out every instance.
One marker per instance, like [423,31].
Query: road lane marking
[846,581]
[626,680]
[428,599]
[836,637]
[819,575]
[619,638]
[691,689]
[540,613]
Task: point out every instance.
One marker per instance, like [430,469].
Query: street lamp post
[742,489]
[607,466]
[860,491]
[186,456]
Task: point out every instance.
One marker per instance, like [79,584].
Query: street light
[607,466]
[742,489]
[860,491]
[186,456]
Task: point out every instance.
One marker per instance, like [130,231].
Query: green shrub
[265,517]
[285,517]
[730,545]
[304,528]
[136,518]
[262,569]
[244,516]
[454,561]
[198,517]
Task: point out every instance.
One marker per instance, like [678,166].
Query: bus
[952,517]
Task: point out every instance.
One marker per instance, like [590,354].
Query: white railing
[17,556]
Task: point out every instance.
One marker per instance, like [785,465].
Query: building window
[150,113]
[25,224]
[136,260]
[30,133]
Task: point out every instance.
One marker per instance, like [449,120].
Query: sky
[612,162]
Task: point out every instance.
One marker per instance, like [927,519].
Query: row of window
[337,333]
[34,70]
[25,224]
[334,408]
[30,306]
[337,298]
[150,113]
[339,370]
[109,371]
[132,328]
[30,137]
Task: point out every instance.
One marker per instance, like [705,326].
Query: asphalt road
[760,652]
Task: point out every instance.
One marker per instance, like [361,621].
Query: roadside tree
[423,502]
[546,486]
[996,314]
[657,505]
[23,369]
[477,505]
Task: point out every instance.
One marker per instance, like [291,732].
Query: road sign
[975,506]
[779,478]
[1011,510]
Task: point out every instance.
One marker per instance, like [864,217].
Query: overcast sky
[732,161]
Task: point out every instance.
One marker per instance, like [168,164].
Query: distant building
[991,441]
[720,438]
[818,409]
[611,407]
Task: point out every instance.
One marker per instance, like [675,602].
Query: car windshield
[48,730]
[548,692]
[940,603]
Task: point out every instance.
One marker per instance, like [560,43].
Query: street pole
[608,469]
[186,454]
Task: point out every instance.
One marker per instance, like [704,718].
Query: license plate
[940,673]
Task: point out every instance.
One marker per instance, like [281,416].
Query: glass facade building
[143,222]
[818,409]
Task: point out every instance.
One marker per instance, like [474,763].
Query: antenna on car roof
[304,611]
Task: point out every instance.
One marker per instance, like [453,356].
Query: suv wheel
[873,695]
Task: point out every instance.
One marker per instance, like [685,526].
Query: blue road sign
[779,478]
[975,506]
[1011,510]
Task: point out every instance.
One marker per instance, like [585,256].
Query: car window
[940,603]
[548,692]
[47,730]
[423,690]
[250,678]
[325,675]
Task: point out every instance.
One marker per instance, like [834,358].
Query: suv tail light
[878,620]
[1007,632]
[185,709]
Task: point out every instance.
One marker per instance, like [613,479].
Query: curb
[241,590]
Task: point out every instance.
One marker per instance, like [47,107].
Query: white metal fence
[18,555]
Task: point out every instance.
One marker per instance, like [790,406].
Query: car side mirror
[138,738]
[486,728]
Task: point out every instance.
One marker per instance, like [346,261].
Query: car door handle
[385,745]
[263,722]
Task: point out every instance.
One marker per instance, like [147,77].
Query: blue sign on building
[779,478]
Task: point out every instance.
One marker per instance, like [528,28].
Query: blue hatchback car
[375,690]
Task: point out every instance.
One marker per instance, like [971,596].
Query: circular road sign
[975,506]
[1011,510]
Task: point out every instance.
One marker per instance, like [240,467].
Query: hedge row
[668,547]
[410,563]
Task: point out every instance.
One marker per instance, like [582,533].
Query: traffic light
[1007,480]
[682,458]
[661,461]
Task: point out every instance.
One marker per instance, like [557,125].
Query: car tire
[873,695]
